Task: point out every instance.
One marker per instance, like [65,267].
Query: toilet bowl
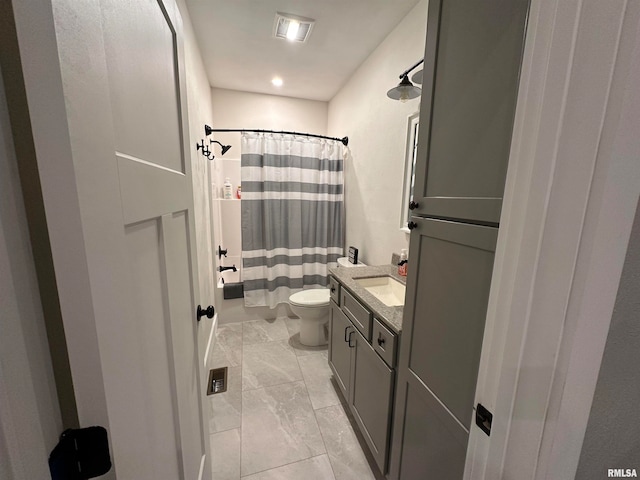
[312,306]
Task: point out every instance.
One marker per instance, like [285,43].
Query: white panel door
[146,87]
[107,105]
[149,117]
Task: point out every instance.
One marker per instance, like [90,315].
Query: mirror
[411,150]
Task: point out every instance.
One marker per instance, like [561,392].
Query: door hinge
[80,454]
[484,418]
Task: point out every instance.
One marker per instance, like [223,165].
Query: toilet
[312,306]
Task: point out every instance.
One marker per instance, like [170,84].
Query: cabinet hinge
[80,454]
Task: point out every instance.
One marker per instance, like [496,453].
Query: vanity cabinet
[357,313]
[334,290]
[339,351]
[372,383]
[384,342]
[364,374]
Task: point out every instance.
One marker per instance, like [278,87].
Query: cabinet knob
[411,225]
[381,340]
[413,205]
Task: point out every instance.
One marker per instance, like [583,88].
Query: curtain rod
[208,131]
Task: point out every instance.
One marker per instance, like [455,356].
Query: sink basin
[386,289]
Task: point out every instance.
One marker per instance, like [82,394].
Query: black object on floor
[80,454]
[233,290]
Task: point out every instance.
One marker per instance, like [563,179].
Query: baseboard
[211,340]
[201,473]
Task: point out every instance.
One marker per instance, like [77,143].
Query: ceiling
[240,52]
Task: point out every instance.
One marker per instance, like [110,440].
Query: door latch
[209,312]
[483,419]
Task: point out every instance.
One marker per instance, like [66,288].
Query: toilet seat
[316,297]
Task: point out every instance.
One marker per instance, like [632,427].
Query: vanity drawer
[334,290]
[385,342]
[357,313]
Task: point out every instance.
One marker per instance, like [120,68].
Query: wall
[30,420]
[377,129]
[235,109]
[199,105]
[612,439]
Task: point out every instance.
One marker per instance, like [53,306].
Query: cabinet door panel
[468,106]
[434,444]
[450,305]
[443,328]
[372,389]
[339,351]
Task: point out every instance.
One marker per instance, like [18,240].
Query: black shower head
[225,148]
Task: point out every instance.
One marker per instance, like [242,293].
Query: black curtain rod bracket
[208,131]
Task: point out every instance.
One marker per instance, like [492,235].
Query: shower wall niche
[226,218]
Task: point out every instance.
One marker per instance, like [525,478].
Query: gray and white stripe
[292,215]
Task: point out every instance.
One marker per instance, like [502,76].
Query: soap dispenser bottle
[227,190]
[402,265]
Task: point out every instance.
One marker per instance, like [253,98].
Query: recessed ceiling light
[292,27]
[277,81]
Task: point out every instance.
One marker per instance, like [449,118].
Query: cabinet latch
[483,419]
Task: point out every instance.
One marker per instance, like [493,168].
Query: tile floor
[281,417]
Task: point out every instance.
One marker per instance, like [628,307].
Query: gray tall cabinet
[472,64]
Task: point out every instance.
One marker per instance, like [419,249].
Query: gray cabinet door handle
[345,332]
[349,340]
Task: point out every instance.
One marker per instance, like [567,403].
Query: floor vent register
[217,381]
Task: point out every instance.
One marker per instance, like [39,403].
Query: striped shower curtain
[292,214]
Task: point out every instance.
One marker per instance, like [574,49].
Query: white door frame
[571,194]
[50,130]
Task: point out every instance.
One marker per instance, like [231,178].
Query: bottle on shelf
[227,189]
[239,192]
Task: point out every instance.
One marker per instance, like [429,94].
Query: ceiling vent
[291,27]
